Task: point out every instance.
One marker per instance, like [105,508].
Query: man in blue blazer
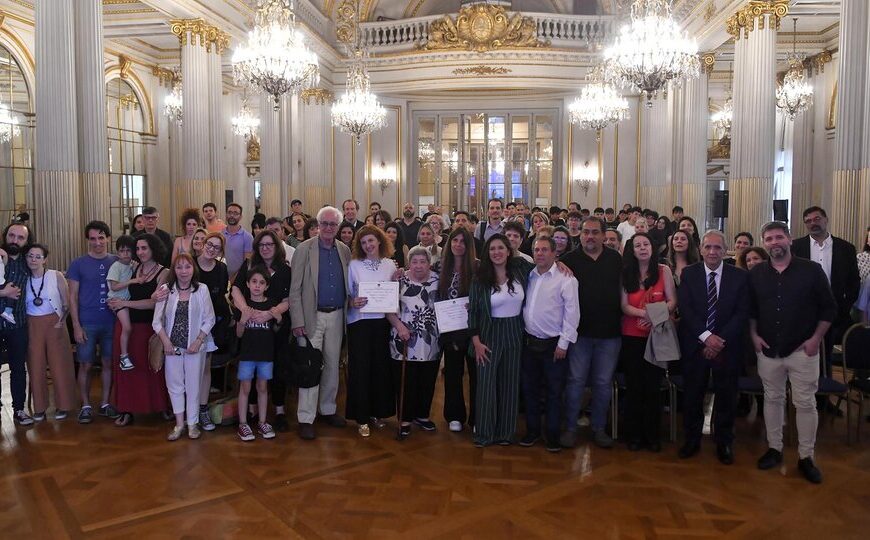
[714,316]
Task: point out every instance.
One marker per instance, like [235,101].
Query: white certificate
[383,296]
[452,315]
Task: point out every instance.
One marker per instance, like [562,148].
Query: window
[16,140]
[127,154]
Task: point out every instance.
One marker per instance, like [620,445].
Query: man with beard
[791,310]
[14,335]
[613,240]
[152,218]
[493,224]
[410,226]
[239,242]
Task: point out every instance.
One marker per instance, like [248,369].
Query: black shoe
[654,447]
[334,420]
[553,445]
[725,454]
[404,430]
[689,449]
[809,470]
[770,459]
[504,442]
[529,440]
[280,423]
[634,446]
[306,431]
[425,425]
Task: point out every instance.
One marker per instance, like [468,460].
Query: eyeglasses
[328,224]
[213,247]
[149,218]
[267,244]
[35,256]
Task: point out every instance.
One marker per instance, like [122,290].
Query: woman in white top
[370,395]
[47,305]
[183,322]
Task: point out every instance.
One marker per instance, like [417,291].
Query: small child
[5,303]
[257,353]
[120,276]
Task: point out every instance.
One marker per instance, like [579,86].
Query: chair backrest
[856,347]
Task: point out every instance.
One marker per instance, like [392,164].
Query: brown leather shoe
[334,420]
[306,431]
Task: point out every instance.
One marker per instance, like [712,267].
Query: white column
[271,203]
[91,98]
[750,203]
[57,188]
[316,156]
[217,121]
[655,155]
[850,212]
[694,143]
[804,146]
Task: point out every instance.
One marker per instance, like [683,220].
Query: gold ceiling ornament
[482,28]
[126,64]
[816,63]
[481,70]
[320,96]
[253,149]
[709,11]
[345,19]
[165,77]
[744,21]
[708,60]
[206,33]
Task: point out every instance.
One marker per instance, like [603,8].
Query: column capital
[744,21]
[708,60]
[165,77]
[816,63]
[201,33]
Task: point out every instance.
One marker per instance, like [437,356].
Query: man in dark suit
[714,314]
[838,259]
[350,208]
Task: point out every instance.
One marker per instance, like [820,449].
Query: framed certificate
[452,315]
[383,296]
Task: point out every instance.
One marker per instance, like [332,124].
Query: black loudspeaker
[720,203]
[780,210]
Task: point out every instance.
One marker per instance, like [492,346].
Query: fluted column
[655,155]
[851,183]
[754,28]
[57,188]
[316,162]
[217,121]
[270,159]
[91,98]
[694,142]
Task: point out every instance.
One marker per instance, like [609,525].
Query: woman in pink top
[643,282]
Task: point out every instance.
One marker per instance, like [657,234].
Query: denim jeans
[16,345]
[541,369]
[591,360]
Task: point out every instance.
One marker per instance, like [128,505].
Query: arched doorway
[16,139]
[127,153]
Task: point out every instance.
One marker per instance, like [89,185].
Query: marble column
[217,121]
[91,98]
[655,155]
[750,187]
[57,187]
[317,156]
[694,142]
[271,203]
[850,208]
[675,126]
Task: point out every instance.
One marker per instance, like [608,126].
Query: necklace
[189,285]
[37,301]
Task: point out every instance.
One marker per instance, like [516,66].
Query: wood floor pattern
[65,480]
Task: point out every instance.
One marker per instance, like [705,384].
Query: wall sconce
[383,178]
[586,181]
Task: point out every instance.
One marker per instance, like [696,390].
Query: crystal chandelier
[598,105]
[795,95]
[358,112]
[651,50]
[245,123]
[722,119]
[275,59]
[8,124]
[173,104]
[425,150]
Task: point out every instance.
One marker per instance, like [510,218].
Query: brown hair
[188,214]
[468,266]
[741,259]
[385,250]
[172,279]
[217,235]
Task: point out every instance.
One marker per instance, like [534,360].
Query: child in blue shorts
[257,353]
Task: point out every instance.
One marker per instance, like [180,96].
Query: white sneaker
[583,421]
[125,363]
[455,425]
[8,317]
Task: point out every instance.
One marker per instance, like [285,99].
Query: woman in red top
[643,282]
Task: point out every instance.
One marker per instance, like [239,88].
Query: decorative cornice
[744,21]
[708,60]
[165,77]
[321,96]
[481,70]
[482,28]
[126,65]
[201,33]
[816,63]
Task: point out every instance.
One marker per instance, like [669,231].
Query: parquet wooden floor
[64,480]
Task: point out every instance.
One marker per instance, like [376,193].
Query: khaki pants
[802,371]
[327,339]
[49,347]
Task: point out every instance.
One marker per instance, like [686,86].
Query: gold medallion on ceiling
[481,28]
[346,17]
[744,21]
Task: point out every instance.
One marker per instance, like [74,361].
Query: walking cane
[399,435]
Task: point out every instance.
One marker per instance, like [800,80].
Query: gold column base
[801,198]
[750,205]
[655,197]
[270,199]
[218,193]
[96,197]
[694,202]
[850,208]
[57,218]
[192,193]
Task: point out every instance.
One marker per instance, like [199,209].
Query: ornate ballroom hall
[111,106]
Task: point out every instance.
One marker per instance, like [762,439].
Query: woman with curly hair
[190,222]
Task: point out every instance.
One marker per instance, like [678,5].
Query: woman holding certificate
[495,321]
[370,395]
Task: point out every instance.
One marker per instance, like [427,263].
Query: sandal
[125,419]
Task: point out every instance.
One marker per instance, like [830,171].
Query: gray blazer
[303,284]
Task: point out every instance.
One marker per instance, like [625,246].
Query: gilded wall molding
[708,61]
[816,63]
[481,70]
[126,65]
[754,15]
[482,28]
[201,33]
[165,77]
[320,96]
[345,19]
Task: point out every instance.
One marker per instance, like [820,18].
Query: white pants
[802,371]
[183,378]
[327,339]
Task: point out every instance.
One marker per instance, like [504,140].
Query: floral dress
[417,312]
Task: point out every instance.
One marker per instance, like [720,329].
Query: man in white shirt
[626,228]
[551,316]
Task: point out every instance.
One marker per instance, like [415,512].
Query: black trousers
[456,362]
[696,376]
[369,381]
[420,380]
[643,400]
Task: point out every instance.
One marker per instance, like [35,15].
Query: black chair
[619,385]
[828,386]
[856,357]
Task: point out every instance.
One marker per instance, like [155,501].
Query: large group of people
[557,300]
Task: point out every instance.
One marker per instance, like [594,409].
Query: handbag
[225,411]
[156,356]
[306,363]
